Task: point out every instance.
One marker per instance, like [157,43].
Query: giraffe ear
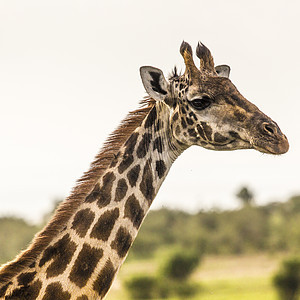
[223,70]
[154,82]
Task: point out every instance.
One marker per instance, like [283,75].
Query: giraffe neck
[83,259]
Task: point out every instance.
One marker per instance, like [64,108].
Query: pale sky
[69,73]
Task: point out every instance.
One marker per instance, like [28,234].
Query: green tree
[245,196]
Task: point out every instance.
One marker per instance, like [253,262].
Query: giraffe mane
[83,187]
[174,74]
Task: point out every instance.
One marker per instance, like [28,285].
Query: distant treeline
[274,227]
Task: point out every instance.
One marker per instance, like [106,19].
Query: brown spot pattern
[219,138]
[105,224]
[133,211]
[183,123]
[55,291]
[160,168]
[121,190]
[133,175]
[82,221]
[151,118]
[240,116]
[175,117]
[122,241]
[83,297]
[105,190]
[130,143]
[192,132]
[158,125]
[4,289]
[234,134]
[146,185]
[207,129]
[192,115]
[104,279]
[94,195]
[29,292]
[25,278]
[144,145]
[201,132]
[189,121]
[157,144]
[85,265]
[61,253]
[125,163]
[115,160]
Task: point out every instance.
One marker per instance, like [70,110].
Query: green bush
[185,289]
[142,287]
[168,288]
[287,280]
[180,265]
[171,281]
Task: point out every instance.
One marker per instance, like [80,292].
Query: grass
[219,278]
[239,288]
[235,289]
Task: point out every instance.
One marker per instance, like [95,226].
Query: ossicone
[206,59]
[187,54]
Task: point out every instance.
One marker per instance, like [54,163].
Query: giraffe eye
[201,103]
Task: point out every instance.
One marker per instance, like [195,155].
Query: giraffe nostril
[269,128]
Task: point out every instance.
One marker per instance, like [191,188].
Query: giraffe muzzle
[272,141]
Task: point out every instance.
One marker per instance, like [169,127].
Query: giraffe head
[208,110]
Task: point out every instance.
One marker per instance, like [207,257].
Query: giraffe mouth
[275,149]
[233,144]
[260,145]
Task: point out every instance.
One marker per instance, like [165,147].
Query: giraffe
[79,252]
